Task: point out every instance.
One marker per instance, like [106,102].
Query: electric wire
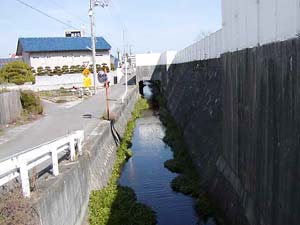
[45,14]
[49,16]
[59,6]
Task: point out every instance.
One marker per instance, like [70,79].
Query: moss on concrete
[188,181]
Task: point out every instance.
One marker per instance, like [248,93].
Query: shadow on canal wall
[240,115]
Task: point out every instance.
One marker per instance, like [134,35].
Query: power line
[68,12]
[45,14]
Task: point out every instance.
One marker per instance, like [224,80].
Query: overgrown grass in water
[188,180]
[116,205]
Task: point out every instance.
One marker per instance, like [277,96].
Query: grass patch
[116,205]
[188,181]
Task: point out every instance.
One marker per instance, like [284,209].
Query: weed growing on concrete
[188,181]
[116,205]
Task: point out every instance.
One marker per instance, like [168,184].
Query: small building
[61,51]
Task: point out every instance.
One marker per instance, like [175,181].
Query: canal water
[145,173]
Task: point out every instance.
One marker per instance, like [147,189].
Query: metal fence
[20,164]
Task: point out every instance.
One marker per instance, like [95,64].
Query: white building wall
[246,24]
[147,59]
[53,59]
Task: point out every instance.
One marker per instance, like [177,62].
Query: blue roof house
[60,51]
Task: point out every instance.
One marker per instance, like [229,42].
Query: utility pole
[93,4]
[91,15]
[125,64]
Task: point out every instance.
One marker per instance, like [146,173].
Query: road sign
[102,77]
[86,72]
[87,82]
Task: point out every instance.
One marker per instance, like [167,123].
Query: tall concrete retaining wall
[65,198]
[240,118]
[10,107]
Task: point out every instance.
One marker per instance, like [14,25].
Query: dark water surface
[145,173]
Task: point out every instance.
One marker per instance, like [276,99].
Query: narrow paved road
[60,121]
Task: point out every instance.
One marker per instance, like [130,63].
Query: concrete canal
[146,175]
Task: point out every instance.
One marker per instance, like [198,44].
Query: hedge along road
[61,121]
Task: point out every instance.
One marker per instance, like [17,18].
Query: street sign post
[102,78]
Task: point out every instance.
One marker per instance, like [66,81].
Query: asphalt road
[61,119]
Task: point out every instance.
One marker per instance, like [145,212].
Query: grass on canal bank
[188,181]
[116,205]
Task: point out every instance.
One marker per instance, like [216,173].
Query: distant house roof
[4,61]
[59,44]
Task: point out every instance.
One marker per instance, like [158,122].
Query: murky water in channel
[145,173]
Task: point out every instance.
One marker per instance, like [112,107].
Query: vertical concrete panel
[286,19]
[10,107]
[242,25]
[211,46]
[202,44]
[297,13]
[252,22]
[206,48]
[267,21]
[224,25]
[219,43]
[198,49]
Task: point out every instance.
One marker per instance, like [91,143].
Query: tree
[16,72]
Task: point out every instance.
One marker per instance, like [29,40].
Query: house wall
[53,59]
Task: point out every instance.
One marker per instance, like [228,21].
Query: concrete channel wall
[240,118]
[65,198]
[10,107]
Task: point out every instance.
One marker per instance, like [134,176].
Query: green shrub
[72,69]
[32,70]
[40,71]
[112,67]
[31,102]
[78,68]
[65,69]
[57,70]
[48,70]
[16,72]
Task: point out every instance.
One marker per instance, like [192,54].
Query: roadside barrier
[20,163]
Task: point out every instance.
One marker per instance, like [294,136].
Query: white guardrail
[20,163]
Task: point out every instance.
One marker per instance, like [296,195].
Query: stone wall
[240,118]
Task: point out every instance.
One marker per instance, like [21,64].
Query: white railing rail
[20,163]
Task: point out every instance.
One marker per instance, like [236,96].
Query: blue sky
[156,25]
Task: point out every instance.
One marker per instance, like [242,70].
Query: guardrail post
[79,140]
[72,148]
[24,179]
[54,161]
